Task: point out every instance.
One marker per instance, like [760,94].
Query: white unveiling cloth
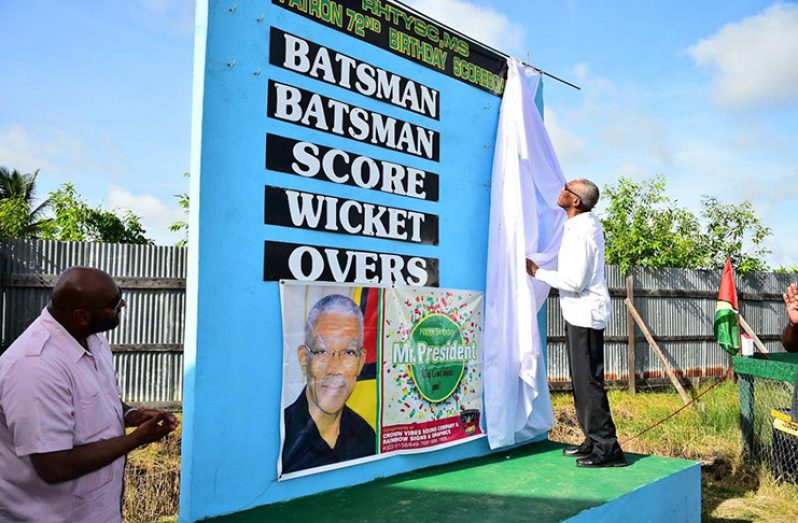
[525,222]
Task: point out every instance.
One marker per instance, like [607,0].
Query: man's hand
[137,417]
[531,267]
[791,303]
[63,465]
[155,428]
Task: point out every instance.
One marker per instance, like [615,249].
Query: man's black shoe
[581,450]
[594,461]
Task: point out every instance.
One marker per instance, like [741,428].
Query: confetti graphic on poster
[431,375]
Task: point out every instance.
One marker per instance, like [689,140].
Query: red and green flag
[726,330]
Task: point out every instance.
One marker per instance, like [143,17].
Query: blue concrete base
[675,498]
[533,483]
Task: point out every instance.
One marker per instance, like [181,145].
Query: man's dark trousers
[586,358]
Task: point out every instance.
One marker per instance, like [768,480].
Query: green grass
[709,432]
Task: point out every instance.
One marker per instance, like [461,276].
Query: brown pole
[668,369]
[747,328]
[630,332]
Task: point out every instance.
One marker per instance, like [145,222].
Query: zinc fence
[677,305]
[148,344]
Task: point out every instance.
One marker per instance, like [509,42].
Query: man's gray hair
[588,193]
[332,304]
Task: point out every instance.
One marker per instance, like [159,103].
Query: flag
[726,330]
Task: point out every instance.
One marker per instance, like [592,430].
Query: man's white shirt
[584,298]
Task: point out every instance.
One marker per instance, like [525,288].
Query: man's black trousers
[586,358]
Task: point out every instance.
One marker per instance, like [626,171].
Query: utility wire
[660,422]
[497,51]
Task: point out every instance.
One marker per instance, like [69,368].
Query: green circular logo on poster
[438,344]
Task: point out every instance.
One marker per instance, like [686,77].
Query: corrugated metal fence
[677,305]
[148,344]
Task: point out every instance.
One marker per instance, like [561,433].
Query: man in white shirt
[585,304]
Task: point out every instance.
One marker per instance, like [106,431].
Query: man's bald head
[80,287]
[86,300]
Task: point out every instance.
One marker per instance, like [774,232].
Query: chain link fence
[770,432]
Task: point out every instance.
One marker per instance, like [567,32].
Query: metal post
[747,398]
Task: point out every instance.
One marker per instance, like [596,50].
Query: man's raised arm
[789,338]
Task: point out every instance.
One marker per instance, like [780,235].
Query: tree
[14,184]
[18,218]
[184,202]
[646,228]
[733,230]
[74,220]
[106,226]
[14,217]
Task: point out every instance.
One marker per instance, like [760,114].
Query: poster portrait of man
[319,427]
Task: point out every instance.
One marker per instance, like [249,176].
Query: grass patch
[152,481]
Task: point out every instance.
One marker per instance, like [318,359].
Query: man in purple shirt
[62,422]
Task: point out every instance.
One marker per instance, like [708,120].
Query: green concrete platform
[530,483]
